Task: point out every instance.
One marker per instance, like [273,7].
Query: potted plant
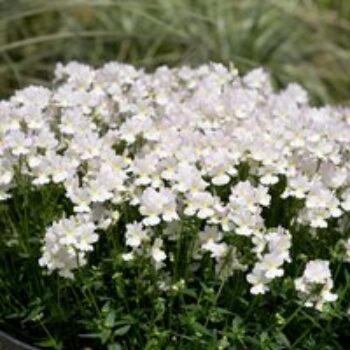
[183,208]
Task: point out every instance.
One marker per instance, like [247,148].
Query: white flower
[332,176]
[271,264]
[189,179]
[250,197]
[280,242]
[33,95]
[6,172]
[246,222]
[218,166]
[145,169]
[297,187]
[156,205]
[79,196]
[317,271]
[86,237]
[66,244]
[209,241]
[200,204]
[257,79]
[157,253]
[98,191]
[62,168]
[259,281]
[210,234]
[217,250]
[131,129]
[18,142]
[86,144]
[128,256]
[135,235]
[345,203]
[316,274]
[242,103]
[73,120]
[268,175]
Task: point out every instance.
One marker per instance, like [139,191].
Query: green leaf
[115,346]
[122,331]
[50,343]
[190,292]
[105,335]
[281,339]
[110,319]
[201,329]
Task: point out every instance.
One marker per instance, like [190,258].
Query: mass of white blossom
[316,284]
[181,143]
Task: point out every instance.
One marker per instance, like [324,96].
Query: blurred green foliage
[307,41]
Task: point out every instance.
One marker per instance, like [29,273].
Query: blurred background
[307,41]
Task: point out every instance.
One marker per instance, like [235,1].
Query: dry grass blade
[306,41]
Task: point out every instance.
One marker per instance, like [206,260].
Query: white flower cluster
[210,241]
[270,264]
[136,236]
[201,143]
[316,284]
[66,244]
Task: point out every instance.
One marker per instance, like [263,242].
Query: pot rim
[8,340]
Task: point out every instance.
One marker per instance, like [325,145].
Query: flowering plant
[153,208]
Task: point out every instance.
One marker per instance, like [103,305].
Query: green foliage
[117,305]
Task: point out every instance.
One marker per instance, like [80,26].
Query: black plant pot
[9,343]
